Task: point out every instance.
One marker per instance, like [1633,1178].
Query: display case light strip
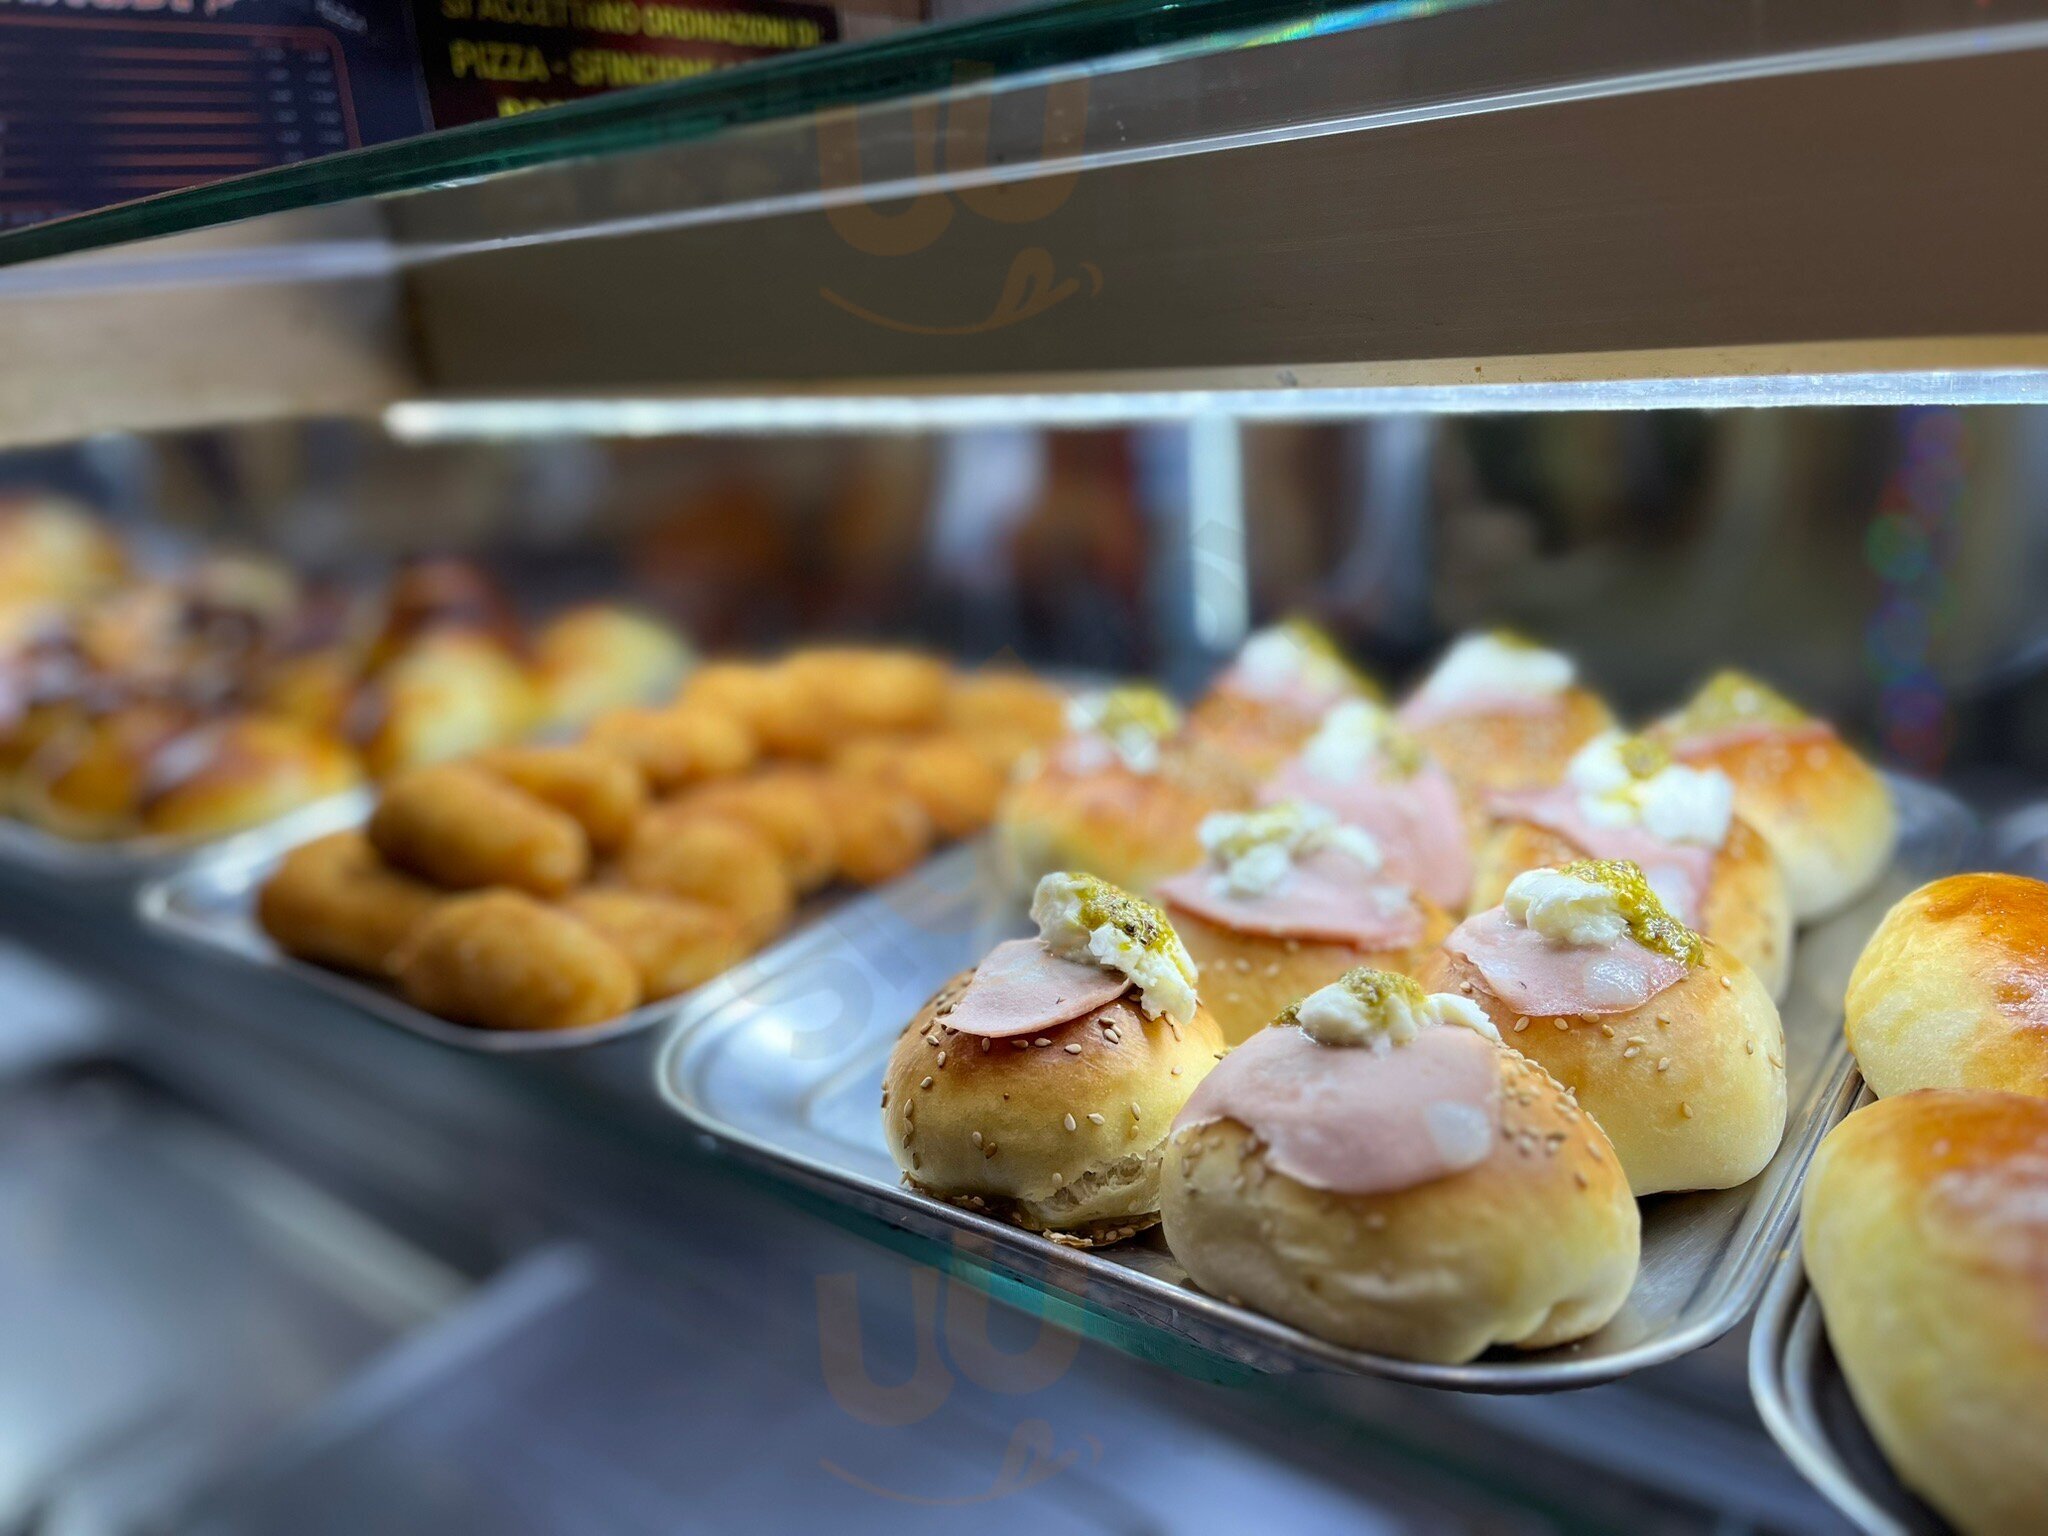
[441,420]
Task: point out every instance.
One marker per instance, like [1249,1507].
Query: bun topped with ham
[1624,797]
[1378,1169]
[1823,810]
[1669,1041]
[1286,899]
[1121,794]
[1039,1087]
[1361,765]
[1500,712]
[1267,703]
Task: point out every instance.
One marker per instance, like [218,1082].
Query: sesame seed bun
[1825,812]
[1535,1246]
[1247,978]
[1926,1238]
[1746,910]
[1503,749]
[1690,1087]
[1005,1127]
[1952,989]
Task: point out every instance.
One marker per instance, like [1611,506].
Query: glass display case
[1095,337]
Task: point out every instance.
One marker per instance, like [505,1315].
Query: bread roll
[674,945]
[442,696]
[242,772]
[1926,1239]
[1428,1212]
[334,902]
[1745,912]
[1689,1086]
[601,791]
[462,828]
[1825,812]
[501,960]
[1952,989]
[1507,749]
[600,657]
[87,780]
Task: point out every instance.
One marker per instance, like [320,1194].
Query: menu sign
[494,58]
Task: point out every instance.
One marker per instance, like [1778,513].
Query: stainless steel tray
[35,851]
[210,904]
[784,1072]
[1805,1404]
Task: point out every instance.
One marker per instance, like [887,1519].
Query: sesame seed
[885,1098]
[1562,1023]
[1685,1109]
[1073,1050]
[1579,1174]
[1069,1122]
[942,1058]
[1662,1022]
[1607,1030]
[1637,1040]
[1465,987]
[1173,1071]
[916,1161]
[1520,1025]
[926,1083]
[986,1043]
[1272,967]
[1041,1040]
[1749,1047]
[976,1138]
[1663,1063]
[1113,1037]
[1593,1150]
[1058,1178]
[1375,1219]
[1093,1118]
[989,1150]
[1243,963]
[1727,983]
[1634,1050]
[1134,1110]
[1020,1045]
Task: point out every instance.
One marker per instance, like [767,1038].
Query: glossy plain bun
[1926,1238]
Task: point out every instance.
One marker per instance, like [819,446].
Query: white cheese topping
[1130,722]
[1255,851]
[1086,919]
[1625,781]
[1349,737]
[1275,661]
[1565,909]
[1485,667]
[1380,1010]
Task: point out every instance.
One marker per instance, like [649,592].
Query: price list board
[110,105]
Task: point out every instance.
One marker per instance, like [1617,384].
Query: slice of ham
[1680,873]
[1326,897]
[1416,820]
[1423,710]
[1357,1121]
[1545,981]
[1022,988]
[1706,744]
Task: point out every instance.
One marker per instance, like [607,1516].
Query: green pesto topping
[1734,698]
[1649,924]
[1642,757]
[1373,989]
[1136,706]
[1314,640]
[1105,905]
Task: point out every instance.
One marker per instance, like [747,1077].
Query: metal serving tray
[211,905]
[1805,1404]
[784,1072]
[34,851]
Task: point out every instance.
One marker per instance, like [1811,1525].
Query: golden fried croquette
[1007,703]
[460,827]
[676,745]
[334,902]
[501,960]
[242,771]
[726,864]
[956,785]
[785,805]
[881,830]
[731,687]
[788,717]
[603,791]
[674,944]
[600,657]
[442,696]
[872,689]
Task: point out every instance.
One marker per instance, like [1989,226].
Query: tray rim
[32,850]
[156,907]
[1834,1094]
